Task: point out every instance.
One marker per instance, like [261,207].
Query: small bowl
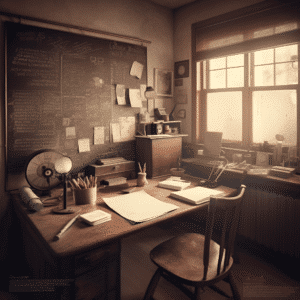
[177,171]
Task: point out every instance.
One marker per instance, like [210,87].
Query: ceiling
[172,3]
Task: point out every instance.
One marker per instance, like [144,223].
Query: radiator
[271,220]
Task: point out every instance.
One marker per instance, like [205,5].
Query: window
[251,97]
[245,75]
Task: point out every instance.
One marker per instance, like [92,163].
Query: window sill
[233,178]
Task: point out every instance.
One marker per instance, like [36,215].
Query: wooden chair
[196,260]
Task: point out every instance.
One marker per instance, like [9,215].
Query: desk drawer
[124,169]
[91,259]
[102,282]
[111,169]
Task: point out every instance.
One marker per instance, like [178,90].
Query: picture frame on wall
[164,82]
[181,69]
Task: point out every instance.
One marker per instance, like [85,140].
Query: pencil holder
[85,196]
[142,180]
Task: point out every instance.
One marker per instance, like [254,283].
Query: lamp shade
[150,92]
[63,165]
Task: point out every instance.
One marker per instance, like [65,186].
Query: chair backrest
[230,212]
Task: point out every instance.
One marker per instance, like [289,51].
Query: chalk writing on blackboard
[59,83]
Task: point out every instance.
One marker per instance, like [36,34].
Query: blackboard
[58,81]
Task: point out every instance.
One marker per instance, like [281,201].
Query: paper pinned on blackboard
[137,69]
[99,135]
[84,145]
[115,132]
[127,128]
[120,92]
[135,98]
[143,90]
[70,133]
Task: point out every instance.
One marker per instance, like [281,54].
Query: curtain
[268,24]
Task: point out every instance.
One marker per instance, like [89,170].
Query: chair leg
[234,289]
[198,292]
[152,285]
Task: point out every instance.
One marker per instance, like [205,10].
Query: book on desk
[95,217]
[196,195]
[174,183]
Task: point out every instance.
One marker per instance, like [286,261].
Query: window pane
[274,112]
[224,114]
[264,57]
[235,60]
[286,74]
[235,77]
[217,79]
[217,63]
[285,53]
[264,75]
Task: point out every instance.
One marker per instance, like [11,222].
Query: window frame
[247,102]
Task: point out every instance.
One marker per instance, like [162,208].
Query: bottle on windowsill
[277,154]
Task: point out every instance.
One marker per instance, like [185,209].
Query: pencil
[140,167]
[69,224]
[81,183]
[76,183]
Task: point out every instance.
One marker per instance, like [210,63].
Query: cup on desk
[142,180]
[85,196]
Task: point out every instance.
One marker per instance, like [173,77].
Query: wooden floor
[255,278]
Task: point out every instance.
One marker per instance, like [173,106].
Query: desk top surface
[81,237]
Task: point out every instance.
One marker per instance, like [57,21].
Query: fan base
[60,210]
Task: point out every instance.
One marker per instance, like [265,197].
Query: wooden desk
[88,256]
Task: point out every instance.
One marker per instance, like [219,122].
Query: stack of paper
[139,206]
[196,195]
[174,183]
[96,217]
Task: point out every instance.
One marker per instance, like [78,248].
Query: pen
[69,224]
[140,167]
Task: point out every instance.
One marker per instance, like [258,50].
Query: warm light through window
[224,114]
[275,112]
[258,108]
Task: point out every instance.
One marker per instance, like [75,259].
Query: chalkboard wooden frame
[58,80]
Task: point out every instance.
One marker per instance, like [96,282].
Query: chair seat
[183,257]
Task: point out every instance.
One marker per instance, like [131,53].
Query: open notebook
[196,195]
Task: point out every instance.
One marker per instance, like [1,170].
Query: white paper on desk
[139,206]
[135,98]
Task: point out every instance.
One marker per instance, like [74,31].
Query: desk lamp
[63,166]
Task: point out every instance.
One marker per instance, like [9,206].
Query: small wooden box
[118,169]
